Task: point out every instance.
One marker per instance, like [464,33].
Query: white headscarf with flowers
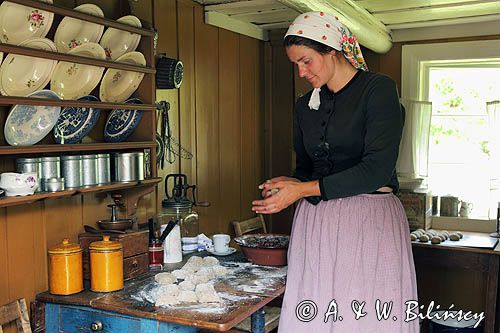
[326,29]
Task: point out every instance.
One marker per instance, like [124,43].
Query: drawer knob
[96,326]
[135,264]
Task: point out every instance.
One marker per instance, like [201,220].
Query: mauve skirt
[348,252]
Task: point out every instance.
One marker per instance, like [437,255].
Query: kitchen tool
[92,230]
[71,169]
[170,226]
[169,72]
[264,249]
[106,265]
[114,223]
[178,207]
[65,268]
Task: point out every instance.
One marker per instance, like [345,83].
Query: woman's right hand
[267,193]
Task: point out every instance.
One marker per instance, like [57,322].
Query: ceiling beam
[370,32]
[227,22]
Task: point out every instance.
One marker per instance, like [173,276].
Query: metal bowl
[119,224]
[265,249]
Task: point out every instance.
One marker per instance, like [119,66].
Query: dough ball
[210,261]
[413,237]
[195,260]
[187,285]
[206,271]
[165,278]
[197,278]
[180,273]
[166,299]
[454,236]
[171,289]
[221,270]
[190,268]
[206,293]
[187,296]
[424,238]
[460,234]
[435,240]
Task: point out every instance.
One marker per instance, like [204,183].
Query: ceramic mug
[465,208]
[18,183]
[221,243]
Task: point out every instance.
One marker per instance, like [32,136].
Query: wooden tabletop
[466,244]
[243,292]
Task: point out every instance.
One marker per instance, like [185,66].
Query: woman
[350,259]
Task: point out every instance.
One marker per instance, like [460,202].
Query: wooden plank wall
[218,111]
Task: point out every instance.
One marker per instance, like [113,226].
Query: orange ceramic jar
[106,265]
[65,268]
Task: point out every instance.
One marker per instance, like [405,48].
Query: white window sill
[463,224]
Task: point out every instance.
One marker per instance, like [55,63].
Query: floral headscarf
[325,28]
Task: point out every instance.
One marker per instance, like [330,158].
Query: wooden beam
[229,23]
[370,32]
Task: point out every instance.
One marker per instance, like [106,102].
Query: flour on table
[220,270]
[165,278]
[166,299]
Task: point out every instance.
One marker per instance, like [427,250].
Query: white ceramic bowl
[118,42]
[118,85]
[22,75]
[16,184]
[18,22]
[72,80]
[72,32]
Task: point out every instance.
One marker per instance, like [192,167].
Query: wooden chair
[250,226]
[16,311]
[272,313]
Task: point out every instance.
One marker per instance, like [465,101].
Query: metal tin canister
[106,265]
[51,167]
[89,170]
[71,167]
[26,165]
[129,166]
[65,268]
[103,169]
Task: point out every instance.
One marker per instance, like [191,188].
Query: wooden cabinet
[143,137]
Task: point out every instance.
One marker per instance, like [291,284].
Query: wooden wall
[217,114]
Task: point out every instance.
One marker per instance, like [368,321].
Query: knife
[171,224]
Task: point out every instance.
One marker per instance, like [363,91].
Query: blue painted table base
[258,321]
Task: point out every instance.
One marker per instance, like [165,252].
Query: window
[459,79]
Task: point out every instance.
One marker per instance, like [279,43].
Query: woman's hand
[288,189]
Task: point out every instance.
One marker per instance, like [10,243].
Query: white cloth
[315,101]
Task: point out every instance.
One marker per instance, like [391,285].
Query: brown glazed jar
[65,268]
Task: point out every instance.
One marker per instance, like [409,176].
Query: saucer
[230,251]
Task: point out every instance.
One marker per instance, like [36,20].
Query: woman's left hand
[289,191]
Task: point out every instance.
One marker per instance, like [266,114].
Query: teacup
[221,243]
[18,183]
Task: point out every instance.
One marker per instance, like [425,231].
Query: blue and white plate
[121,123]
[75,122]
[28,124]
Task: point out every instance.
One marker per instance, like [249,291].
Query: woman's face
[317,68]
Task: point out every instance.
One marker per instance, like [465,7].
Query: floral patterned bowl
[18,183]
[72,32]
[19,23]
[118,42]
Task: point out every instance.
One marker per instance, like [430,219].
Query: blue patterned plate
[28,124]
[75,123]
[121,123]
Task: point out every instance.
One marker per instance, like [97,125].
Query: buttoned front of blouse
[361,125]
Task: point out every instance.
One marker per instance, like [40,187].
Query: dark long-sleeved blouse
[351,143]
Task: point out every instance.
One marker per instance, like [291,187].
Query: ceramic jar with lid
[65,268]
[106,265]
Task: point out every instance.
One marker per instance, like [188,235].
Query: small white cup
[221,243]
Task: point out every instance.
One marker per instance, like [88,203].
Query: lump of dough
[180,273]
[197,278]
[220,270]
[171,289]
[165,278]
[187,285]
[195,260]
[206,293]
[188,296]
[166,299]
[190,268]
[210,261]
[206,271]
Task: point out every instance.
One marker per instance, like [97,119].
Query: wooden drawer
[135,266]
[133,242]
[79,320]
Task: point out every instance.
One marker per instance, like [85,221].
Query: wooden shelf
[26,51]
[10,100]
[83,16]
[104,146]
[14,201]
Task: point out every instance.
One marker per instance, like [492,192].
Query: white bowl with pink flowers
[18,184]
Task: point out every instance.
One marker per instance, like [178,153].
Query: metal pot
[114,223]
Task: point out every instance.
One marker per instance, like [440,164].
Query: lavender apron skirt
[345,257]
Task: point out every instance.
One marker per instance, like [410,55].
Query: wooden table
[470,258]
[244,294]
